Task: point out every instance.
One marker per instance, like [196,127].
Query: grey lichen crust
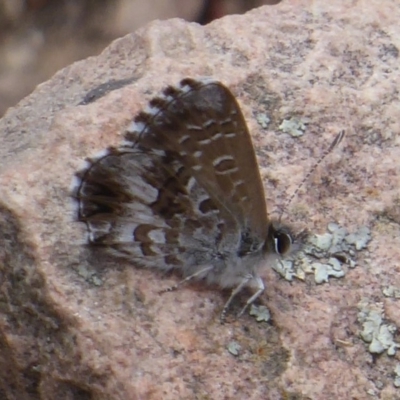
[260,313]
[376,331]
[324,255]
[234,348]
[295,127]
[391,291]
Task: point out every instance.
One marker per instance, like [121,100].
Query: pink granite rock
[76,325]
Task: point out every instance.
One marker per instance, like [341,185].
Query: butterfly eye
[283,242]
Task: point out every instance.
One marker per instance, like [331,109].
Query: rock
[76,324]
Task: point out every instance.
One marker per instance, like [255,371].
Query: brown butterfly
[184,192]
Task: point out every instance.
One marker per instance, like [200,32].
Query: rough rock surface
[75,325]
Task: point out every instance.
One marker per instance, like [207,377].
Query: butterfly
[183,192]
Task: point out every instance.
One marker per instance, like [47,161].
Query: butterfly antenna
[335,143]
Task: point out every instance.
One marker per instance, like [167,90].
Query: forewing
[202,122]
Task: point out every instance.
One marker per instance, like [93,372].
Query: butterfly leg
[259,289]
[235,291]
[187,279]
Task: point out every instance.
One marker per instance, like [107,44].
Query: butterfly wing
[144,207]
[184,191]
[202,122]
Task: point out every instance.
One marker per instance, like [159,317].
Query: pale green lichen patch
[234,348]
[285,268]
[324,255]
[295,127]
[263,120]
[261,313]
[322,272]
[89,275]
[359,239]
[391,291]
[396,382]
[322,242]
[375,331]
